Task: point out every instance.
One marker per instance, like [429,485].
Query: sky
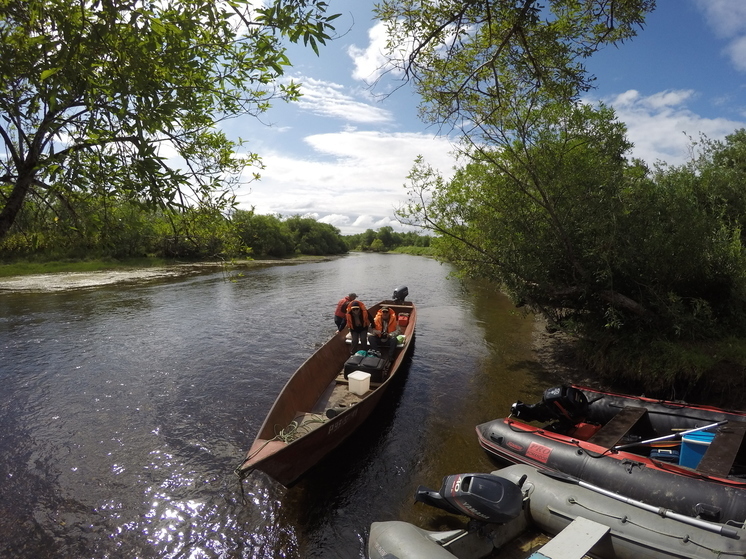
[342,153]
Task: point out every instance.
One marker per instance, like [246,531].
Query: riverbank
[59,281]
[723,387]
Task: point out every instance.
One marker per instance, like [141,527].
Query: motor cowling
[484,497]
[562,403]
[400,293]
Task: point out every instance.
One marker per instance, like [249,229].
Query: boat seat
[574,541]
[610,434]
[720,455]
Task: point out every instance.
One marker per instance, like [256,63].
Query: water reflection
[125,409]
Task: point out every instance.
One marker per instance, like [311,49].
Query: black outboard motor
[482,497]
[400,293]
[562,403]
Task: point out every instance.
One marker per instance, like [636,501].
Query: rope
[626,520]
[293,431]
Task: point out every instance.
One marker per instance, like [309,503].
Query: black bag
[375,366]
[353,364]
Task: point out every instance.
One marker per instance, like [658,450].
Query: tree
[122,97]
[486,66]
[386,236]
[312,237]
[574,230]
[537,198]
[265,235]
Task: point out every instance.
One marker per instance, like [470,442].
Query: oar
[673,436]
[726,531]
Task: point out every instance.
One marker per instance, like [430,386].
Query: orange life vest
[392,324]
[365,318]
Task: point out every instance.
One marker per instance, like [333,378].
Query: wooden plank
[720,455]
[610,434]
[575,541]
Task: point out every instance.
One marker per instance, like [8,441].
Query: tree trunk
[14,203]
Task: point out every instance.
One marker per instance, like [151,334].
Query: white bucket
[359,382]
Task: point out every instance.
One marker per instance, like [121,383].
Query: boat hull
[307,432]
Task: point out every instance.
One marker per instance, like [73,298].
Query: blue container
[671,455]
[693,448]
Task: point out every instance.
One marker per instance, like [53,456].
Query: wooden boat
[688,458]
[582,519]
[318,409]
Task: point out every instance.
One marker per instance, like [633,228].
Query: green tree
[486,66]
[367,239]
[386,236]
[122,97]
[312,237]
[534,217]
[377,246]
[264,235]
[577,232]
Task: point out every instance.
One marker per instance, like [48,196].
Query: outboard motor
[400,293]
[562,403]
[483,497]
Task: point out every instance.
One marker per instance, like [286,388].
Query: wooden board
[610,434]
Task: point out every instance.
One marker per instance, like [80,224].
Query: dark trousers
[377,343]
[359,339]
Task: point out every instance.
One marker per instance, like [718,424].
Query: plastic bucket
[359,382]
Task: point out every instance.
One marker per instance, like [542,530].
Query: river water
[125,409]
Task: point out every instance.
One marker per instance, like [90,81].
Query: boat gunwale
[597,450]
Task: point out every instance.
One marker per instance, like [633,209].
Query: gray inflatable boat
[584,519]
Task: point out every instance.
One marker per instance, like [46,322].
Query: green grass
[416,251]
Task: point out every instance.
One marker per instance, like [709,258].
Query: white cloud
[727,18]
[660,125]
[328,99]
[355,181]
[370,62]
[737,52]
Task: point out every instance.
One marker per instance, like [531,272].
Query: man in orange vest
[385,330]
[340,313]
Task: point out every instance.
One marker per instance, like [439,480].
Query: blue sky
[341,155]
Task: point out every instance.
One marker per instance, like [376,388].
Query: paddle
[726,531]
[674,436]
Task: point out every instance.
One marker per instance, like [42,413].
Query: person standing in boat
[385,330]
[340,313]
[358,321]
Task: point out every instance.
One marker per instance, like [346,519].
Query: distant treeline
[124,229]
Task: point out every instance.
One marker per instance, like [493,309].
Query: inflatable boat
[583,518]
[669,454]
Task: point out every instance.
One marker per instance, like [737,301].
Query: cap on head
[384,309]
[352,296]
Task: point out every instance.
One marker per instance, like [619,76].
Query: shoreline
[61,281]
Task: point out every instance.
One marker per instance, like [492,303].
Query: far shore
[60,281]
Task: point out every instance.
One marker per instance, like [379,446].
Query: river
[126,407]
